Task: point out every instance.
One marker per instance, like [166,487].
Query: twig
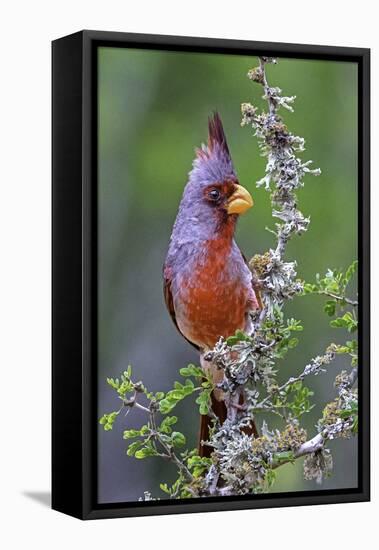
[338,298]
[170,453]
[316,365]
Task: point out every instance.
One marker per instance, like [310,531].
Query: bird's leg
[215,374]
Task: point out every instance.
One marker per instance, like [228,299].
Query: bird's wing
[170,305]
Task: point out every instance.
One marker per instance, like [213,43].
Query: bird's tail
[219,409]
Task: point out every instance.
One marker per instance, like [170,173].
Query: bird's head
[213,191]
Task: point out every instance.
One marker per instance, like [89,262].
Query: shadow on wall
[41,497]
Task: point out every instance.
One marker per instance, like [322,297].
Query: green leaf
[159,395]
[294,326]
[107,420]
[293,342]
[300,403]
[129,434]
[350,271]
[165,406]
[166,424]
[178,439]
[352,345]
[145,452]
[176,395]
[346,321]
[309,288]
[173,397]
[353,409]
[284,456]
[188,384]
[192,370]
[238,336]
[338,323]
[113,383]
[203,400]
[330,307]
[198,464]
[133,447]
[270,477]
[350,348]
[164,488]
[355,424]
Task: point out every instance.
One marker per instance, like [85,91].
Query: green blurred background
[153,109]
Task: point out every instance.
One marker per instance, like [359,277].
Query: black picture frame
[74,271]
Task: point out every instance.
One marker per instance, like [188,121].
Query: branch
[340,426]
[315,367]
[275,278]
[311,446]
[338,298]
[170,455]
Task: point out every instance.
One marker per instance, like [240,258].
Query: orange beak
[240,201]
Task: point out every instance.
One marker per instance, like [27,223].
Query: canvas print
[227,336]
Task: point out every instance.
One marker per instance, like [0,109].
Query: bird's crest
[216,134]
[214,157]
[216,138]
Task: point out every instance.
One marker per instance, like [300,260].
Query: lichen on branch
[284,175]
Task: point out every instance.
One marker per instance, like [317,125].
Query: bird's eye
[214,194]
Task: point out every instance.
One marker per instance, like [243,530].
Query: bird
[208,286]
